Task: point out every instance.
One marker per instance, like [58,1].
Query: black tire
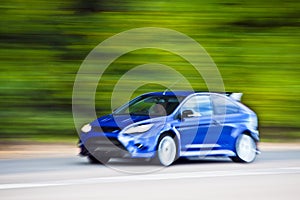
[166,151]
[245,149]
[94,160]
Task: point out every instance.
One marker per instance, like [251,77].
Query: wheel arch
[250,133]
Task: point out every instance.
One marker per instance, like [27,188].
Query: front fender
[171,130]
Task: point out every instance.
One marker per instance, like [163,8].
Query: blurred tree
[86,6]
[91,6]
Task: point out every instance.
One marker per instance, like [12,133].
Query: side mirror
[186,114]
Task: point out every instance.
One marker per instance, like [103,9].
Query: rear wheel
[245,149]
[166,151]
[93,160]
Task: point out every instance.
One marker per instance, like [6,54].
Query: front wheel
[166,151]
[245,149]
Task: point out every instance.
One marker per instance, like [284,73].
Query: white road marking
[153,177]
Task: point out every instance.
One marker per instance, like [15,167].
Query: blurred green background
[255,45]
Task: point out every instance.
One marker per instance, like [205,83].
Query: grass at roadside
[41,140]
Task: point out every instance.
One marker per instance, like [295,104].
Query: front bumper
[112,147]
[102,146]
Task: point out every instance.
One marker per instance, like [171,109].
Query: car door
[226,117]
[194,125]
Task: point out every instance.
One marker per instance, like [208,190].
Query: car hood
[120,121]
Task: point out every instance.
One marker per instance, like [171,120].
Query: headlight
[86,128]
[138,129]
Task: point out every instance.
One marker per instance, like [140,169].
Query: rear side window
[199,105]
[223,106]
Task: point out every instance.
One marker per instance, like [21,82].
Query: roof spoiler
[235,95]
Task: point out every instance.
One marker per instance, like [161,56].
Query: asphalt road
[274,175]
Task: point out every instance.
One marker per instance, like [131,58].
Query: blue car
[165,126]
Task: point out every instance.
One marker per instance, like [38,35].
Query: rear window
[223,106]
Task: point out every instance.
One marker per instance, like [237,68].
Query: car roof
[182,93]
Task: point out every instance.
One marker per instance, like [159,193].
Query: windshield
[151,105]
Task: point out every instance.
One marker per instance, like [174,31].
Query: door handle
[216,122]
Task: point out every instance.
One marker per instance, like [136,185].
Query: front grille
[104,144]
[105,129]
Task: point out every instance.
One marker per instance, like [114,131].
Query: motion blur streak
[255,45]
[274,175]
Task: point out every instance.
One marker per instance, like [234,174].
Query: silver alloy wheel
[166,151]
[246,148]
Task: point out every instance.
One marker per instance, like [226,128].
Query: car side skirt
[207,153]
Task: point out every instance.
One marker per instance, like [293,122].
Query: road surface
[274,175]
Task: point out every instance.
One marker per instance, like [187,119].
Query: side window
[199,105]
[223,106]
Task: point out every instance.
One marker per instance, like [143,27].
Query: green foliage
[255,45]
